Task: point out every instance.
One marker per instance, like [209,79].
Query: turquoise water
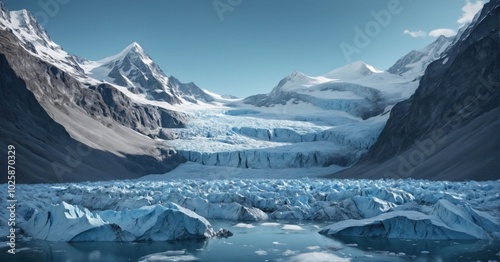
[263,243]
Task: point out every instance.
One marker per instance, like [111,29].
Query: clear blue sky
[257,42]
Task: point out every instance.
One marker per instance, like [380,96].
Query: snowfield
[178,209]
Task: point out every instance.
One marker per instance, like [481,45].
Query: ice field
[381,208]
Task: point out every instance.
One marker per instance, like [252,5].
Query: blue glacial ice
[65,222]
[182,208]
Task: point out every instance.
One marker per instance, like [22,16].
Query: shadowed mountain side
[470,152]
[45,151]
[458,101]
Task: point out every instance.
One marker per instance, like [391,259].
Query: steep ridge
[449,128]
[34,39]
[133,68]
[65,131]
[412,66]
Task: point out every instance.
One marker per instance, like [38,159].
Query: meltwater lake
[261,241]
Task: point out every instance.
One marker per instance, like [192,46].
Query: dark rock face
[132,63]
[45,150]
[457,100]
[109,102]
[189,92]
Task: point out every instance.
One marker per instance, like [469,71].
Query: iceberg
[398,224]
[65,222]
[444,221]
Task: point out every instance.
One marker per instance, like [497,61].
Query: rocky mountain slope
[449,129]
[66,129]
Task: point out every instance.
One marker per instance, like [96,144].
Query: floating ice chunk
[243,225]
[289,252]
[292,227]
[317,257]
[270,224]
[169,256]
[261,252]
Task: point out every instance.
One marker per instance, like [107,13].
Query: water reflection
[260,242]
[97,251]
[427,250]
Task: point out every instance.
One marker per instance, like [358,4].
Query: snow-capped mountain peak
[413,65]
[134,46]
[134,69]
[133,51]
[31,28]
[33,37]
[296,76]
[352,71]
[293,81]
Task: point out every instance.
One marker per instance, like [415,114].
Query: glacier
[133,210]
[263,139]
[303,122]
